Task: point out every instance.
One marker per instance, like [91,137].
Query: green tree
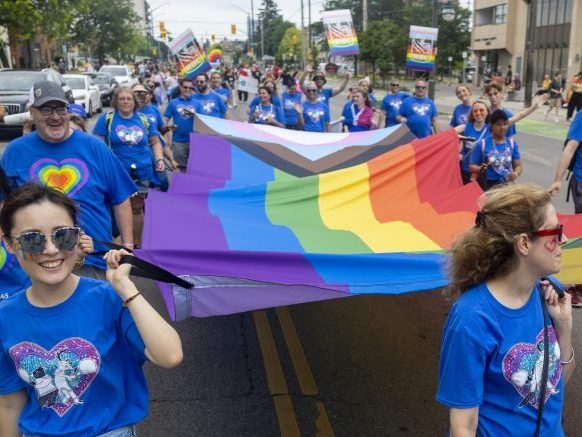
[383,44]
[271,27]
[290,46]
[26,18]
[106,28]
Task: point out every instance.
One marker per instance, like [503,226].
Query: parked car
[107,85]
[85,92]
[121,73]
[469,75]
[15,90]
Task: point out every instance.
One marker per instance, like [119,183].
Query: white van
[121,73]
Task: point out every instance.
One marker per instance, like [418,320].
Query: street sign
[450,59]
[448,13]
[465,54]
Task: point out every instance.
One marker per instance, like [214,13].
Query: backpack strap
[108,121]
[145,121]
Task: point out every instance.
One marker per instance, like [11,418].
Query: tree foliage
[273,27]
[382,45]
[26,18]
[290,46]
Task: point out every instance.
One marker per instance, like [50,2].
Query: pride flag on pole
[192,59]
[340,32]
[421,51]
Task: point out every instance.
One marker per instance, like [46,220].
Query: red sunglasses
[559,232]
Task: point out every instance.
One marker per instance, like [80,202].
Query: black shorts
[575,188]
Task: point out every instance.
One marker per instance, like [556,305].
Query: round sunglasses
[34,242]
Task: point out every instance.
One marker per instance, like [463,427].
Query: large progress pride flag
[267,217]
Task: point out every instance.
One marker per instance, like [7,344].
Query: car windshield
[18,80]
[115,71]
[101,79]
[76,83]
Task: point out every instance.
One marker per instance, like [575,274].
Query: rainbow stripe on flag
[255,228]
[421,51]
[192,59]
[340,32]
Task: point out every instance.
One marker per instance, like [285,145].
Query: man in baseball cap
[47,91]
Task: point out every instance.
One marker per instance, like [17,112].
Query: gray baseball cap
[47,91]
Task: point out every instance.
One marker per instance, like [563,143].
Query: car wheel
[100,109]
[90,111]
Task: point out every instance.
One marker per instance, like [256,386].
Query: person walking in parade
[419,112]
[496,154]
[70,345]
[316,116]
[505,318]
[476,129]
[462,110]
[292,107]
[324,94]
[209,102]
[358,115]
[266,112]
[181,111]
[575,96]
[391,103]
[78,164]
[220,87]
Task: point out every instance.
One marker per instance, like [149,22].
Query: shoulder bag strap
[543,388]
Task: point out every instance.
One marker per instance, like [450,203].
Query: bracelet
[130,298]
[570,360]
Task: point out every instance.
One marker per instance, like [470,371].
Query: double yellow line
[276,378]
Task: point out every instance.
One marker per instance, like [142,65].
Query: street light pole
[432,76]
[302,35]
[530,33]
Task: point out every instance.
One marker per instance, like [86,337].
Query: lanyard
[356,117]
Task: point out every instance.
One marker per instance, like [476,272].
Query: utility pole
[262,37]
[252,33]
[432,77]
[529,41]
[302,35]
[309,22]
[365,15]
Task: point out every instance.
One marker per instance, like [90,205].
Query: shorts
[181,151]
[126,431]
[555,102]
[576,192]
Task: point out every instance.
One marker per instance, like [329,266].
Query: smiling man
[76,163]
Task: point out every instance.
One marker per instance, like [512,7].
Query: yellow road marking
[322,423]
[302,369]
[286,416]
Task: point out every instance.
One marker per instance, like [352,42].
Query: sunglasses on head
[34,242]
[558,232]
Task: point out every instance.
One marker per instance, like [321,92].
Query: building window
[500,14]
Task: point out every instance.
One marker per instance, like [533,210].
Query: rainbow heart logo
[68,175]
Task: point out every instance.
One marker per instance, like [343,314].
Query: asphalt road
[361,366]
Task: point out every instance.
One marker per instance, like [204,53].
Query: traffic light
[233,29]
[162,26]
[212,37]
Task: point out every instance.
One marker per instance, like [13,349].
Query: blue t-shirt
[391,105]
[289,102]
[12,277]
[181,111]
[83,168]
[265,111]
[324,94]
[152,112]
[80,362]
[575,133]
[349,112]
[224,93]
[210,104]
[460,115]
[468,146]
[499,157]
[492,357]
[257,101]
[419,114]
[315,116]
[511,131]
[129,141]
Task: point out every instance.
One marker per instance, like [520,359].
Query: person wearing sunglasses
[71,345]
[79,164]
[463,109]
[419,112]
[316,116]
[493,343]
[476,129]
[181,111]
[391,103]
[209,102]
[323,94]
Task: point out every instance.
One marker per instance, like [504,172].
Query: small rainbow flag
[191,56]
[340,32]
[421,51]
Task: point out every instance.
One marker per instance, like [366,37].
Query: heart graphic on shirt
[523,364]
[59,376]
[185,111]
[3,257]
[68,175]
[131,135]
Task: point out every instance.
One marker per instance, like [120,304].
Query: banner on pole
[192,59]
[248,84]
[340,33]
[421,51]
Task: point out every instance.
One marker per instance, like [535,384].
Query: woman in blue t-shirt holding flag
[72,348]
[506,349]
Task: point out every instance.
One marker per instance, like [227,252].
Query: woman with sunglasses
[476,129]
[357,115]
[72,348]
[316,116]
[266,112]
[491,373]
